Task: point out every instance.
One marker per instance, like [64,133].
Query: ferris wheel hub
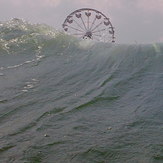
[88,35]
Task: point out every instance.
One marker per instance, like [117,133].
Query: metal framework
[89,23]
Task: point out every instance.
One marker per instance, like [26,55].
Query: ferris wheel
[87,23]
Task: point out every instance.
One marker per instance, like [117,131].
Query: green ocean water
[64,100]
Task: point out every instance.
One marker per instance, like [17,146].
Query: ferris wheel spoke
[83,24]
[88,14]
[97,35]
[93,23]
[99,30]
[74,28]
[88,22]
[97,26]
[80,34]
[79,25]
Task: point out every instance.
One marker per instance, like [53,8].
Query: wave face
[67,100]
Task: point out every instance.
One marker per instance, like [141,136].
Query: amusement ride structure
[87,23]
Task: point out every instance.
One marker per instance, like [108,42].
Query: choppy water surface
[64,100]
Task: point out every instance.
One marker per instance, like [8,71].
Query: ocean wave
[92,101]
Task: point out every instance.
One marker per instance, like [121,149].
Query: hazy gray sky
[134,20]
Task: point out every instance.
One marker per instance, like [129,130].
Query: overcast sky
[138,21]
